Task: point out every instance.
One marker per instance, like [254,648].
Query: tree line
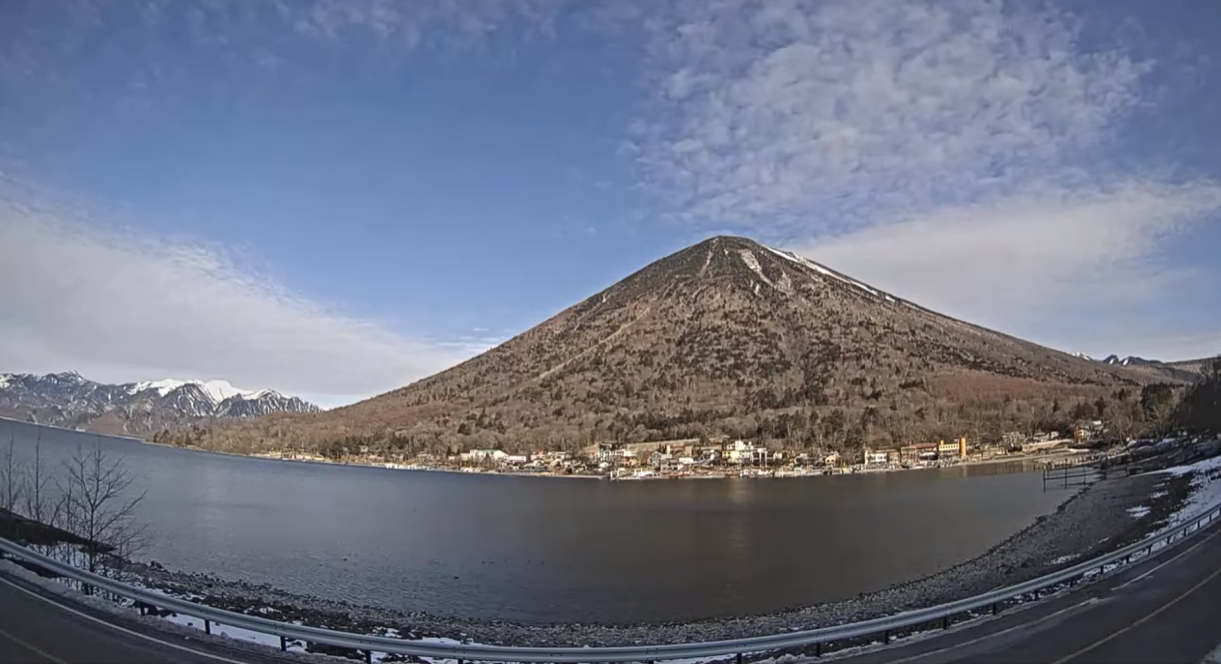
[1200,409]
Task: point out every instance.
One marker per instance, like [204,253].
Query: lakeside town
[712,458]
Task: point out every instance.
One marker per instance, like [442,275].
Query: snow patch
[258,395]
[217,390]
[1138,511]
[1205,487]
[226,630]
[1202,467]
[752,262]
[809,264]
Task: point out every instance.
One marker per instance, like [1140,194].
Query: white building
[480,455]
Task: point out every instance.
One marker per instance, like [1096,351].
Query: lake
[541,550]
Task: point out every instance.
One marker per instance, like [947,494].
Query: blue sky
[336,198]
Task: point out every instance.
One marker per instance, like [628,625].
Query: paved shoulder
[1161,610]
[40,628]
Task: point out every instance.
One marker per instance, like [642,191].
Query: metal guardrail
[887,626]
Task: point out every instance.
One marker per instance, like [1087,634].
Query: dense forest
[1126,412]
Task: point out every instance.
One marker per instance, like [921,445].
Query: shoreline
[1099,517]
[1102,516]
[584,476]
[730,472]
[80,431]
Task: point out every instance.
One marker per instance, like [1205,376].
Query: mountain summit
[724,337]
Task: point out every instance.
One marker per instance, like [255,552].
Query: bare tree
[99,504]
[10,476]
[36,491]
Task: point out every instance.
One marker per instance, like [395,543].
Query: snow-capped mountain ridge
[218,390]
[70,400]
[1130,360]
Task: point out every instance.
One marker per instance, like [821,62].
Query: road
[1166,609]
[36,629]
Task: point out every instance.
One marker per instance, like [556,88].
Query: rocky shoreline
[1103,516]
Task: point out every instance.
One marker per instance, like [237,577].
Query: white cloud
[116,306]
[843,110]
[955,151]
[1007,261]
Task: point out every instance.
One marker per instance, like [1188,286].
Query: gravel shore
[1102,516]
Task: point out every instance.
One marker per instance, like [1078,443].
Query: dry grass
[967,386]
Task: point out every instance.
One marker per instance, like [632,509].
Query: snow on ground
[174,625]
[226,630]
[1206,492]
[1138,512]
[1205,487]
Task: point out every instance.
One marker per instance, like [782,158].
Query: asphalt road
[1165,610]
[37,629]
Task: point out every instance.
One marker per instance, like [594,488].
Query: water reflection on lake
[563,550]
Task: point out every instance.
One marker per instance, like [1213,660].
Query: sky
[335,198]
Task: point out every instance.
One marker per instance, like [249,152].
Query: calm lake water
[561,550]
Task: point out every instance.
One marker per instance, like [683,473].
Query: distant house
[918,452]
[952,448]
[742,451]
[480,455]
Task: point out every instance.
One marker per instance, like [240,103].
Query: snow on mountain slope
[218,390]
[67,399]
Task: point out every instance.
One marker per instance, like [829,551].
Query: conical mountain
[726,337]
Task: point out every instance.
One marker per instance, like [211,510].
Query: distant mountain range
[1184,371]
[72,401]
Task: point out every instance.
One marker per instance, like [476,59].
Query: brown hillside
[724,337]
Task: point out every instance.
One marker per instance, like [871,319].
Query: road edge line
[120,628]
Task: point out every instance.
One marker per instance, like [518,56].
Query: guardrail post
[368,657]
[149,604]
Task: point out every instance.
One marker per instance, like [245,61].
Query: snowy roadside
[1121,510]
[1204,490]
